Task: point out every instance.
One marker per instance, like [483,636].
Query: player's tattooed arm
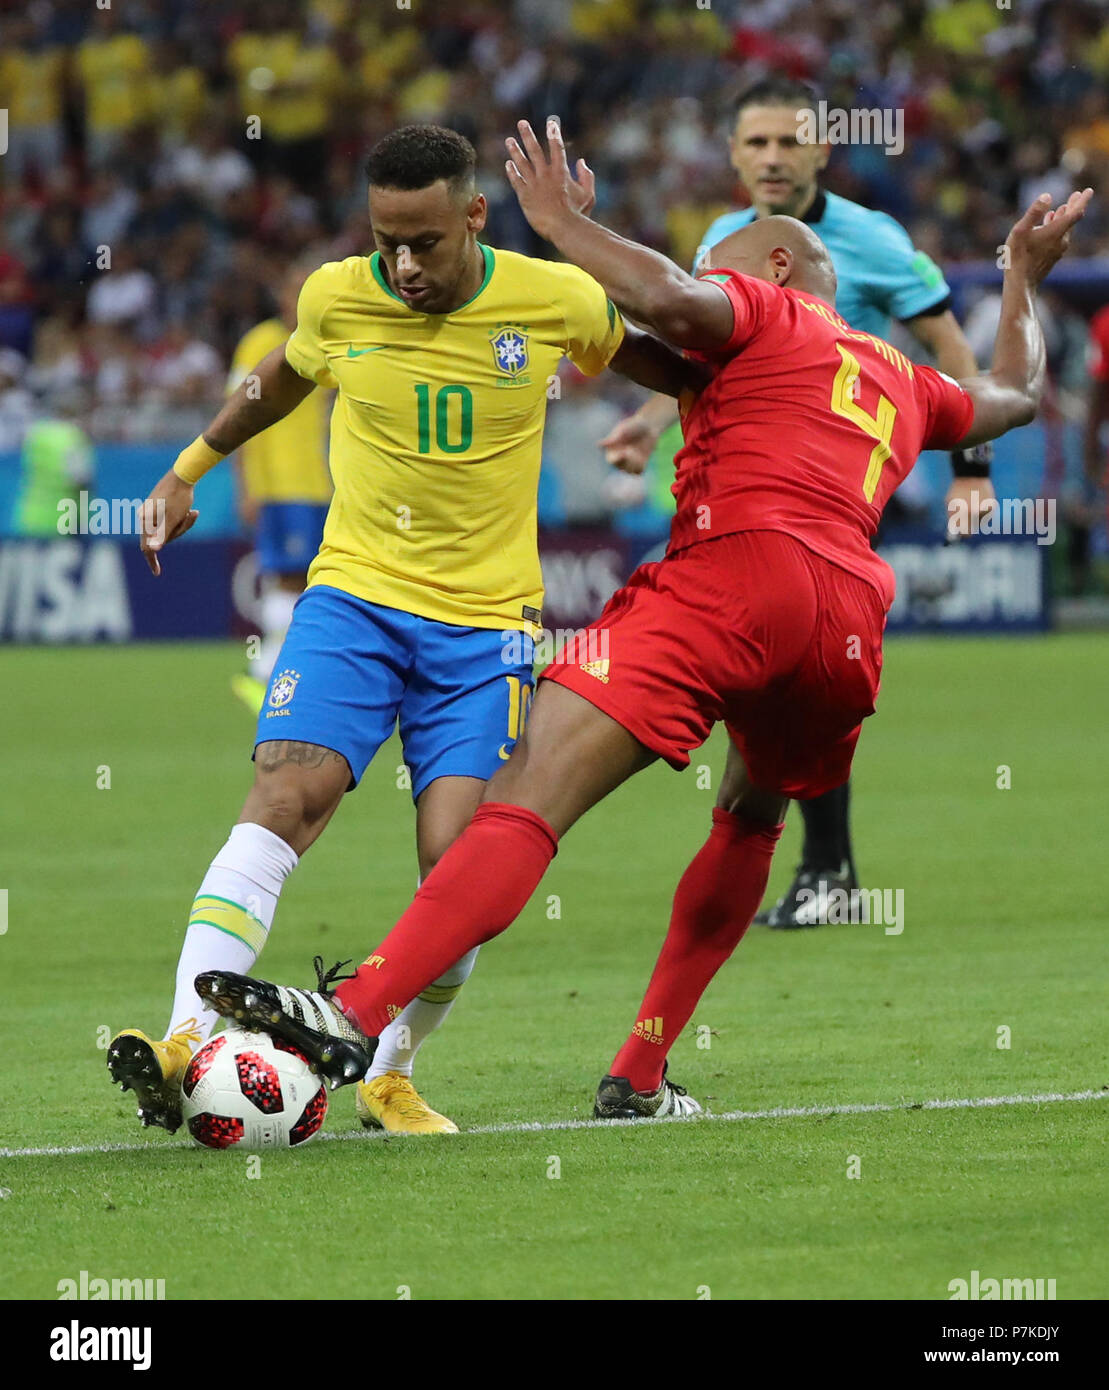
[1009,393]
[267,394]
[650,362]
[644,284]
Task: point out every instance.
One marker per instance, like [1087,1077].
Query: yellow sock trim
[231,918]
[439,994]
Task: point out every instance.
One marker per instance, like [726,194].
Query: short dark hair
[777,90]
[416,156]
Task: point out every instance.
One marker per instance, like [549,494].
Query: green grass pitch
[1004,929]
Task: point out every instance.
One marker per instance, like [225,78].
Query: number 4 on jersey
[879,427]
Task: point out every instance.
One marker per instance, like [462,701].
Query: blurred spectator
[177,97]
[126,295]
[112,66]
[185,370]
[56,463]
[15,286]
[109,207]
[208,166]
[287,80]
[16,402]
[31,81]
[62,263]
[16,299]
[64,366]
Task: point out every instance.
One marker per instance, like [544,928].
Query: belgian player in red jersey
[1097,410]
[766,613]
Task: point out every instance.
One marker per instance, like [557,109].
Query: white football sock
[277,613]
[231,917]
[398,1045]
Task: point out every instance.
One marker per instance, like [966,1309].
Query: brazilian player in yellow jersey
[437,431]
[426,592]
[284,489]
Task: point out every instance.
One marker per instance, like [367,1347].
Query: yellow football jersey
[113,73]
[287,462]
[438,427]
[32,86]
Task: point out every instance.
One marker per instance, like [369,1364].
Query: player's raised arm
[266,394]
[645,285]
[1009,393]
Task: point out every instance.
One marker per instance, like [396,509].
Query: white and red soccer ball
[249,1091]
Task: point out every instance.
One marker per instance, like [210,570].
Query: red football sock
[714,903]
[475,891]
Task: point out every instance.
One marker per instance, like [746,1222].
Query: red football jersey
[1099,345]
[807,427]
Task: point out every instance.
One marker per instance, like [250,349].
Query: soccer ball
[250,1091]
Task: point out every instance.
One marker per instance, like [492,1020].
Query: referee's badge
[510,350]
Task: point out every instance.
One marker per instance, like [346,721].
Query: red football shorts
[753,629]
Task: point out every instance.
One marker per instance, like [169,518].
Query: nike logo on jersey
[362,351]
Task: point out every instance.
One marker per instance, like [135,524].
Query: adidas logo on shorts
[599,669]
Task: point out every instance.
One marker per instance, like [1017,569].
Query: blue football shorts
[288,535]
[349,671]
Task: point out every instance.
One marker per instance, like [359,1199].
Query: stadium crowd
[168,158]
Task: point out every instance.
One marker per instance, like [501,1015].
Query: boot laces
[329,977]
[188,1031]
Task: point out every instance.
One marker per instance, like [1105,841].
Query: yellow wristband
[192,463]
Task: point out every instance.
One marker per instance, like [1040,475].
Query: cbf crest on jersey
[510,350]
[283,689]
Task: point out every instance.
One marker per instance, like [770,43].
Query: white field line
[800,1112]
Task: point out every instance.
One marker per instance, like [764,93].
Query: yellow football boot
[391,1102]
[153,1069]
[250,691]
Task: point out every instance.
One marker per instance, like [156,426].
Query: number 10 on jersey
[458,422]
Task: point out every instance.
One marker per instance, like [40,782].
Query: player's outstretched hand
[629,444]
[969,503]
[547,190]
[166,514]
[1042,235]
